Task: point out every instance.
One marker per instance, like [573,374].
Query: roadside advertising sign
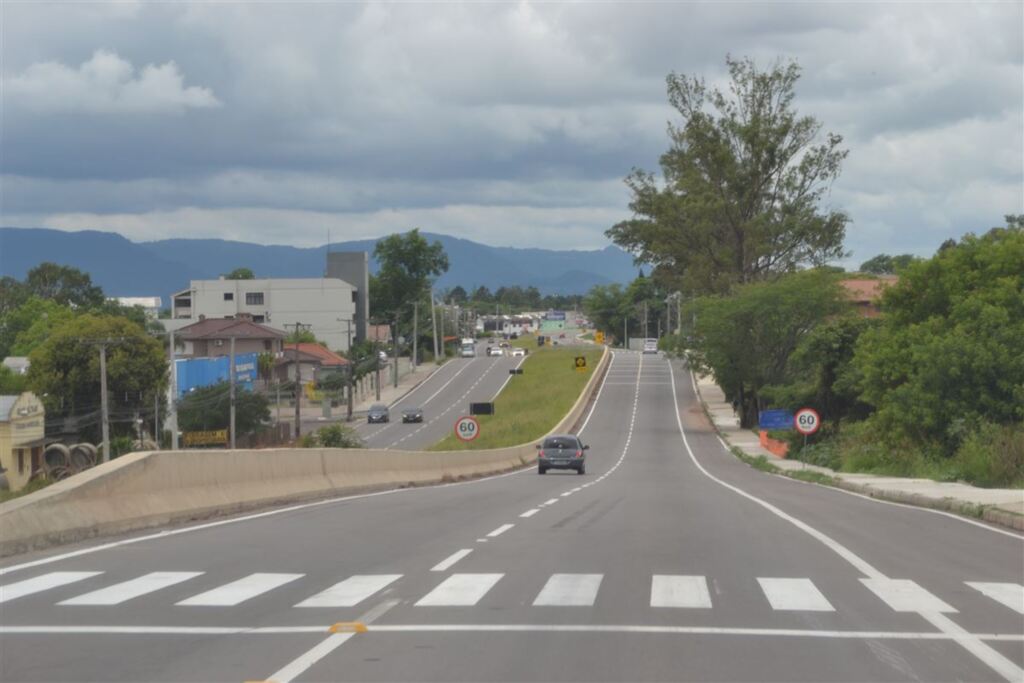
[775,419]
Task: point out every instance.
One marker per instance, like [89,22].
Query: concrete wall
[156,488]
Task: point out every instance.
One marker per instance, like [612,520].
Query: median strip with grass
[532,403]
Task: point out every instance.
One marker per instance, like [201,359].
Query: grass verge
[532,403]
[31,487]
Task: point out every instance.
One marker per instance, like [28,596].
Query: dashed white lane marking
[237,592]
[970,642]
[906,596]
[126,590]
[500,530]
[38,584]
[450,560]
[794,595]
[460,590]
[550,501]
[530,513]
[679,591]
[351,591]
[1009,594]
[481,540]
[576,590]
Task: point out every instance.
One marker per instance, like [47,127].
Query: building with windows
[327,307]
[22,427]
[211,338]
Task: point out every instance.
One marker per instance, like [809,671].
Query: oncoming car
[494,351]
[518,351]
[412,415]
[378,412]
[562,452]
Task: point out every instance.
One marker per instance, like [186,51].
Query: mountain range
[125,268]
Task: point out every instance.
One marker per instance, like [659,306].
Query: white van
[650,345]
[468,348]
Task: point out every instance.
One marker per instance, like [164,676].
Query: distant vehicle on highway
[378,412]
[494,351]
[562,452]
[468,348]
[412,415]
[518,351]
[650,345]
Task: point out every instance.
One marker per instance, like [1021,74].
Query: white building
[150,304]
[325,306]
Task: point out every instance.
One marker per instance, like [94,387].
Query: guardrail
[156,488]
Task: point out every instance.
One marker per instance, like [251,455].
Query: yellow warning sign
[581,363]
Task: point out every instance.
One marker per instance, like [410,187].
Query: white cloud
[105,84]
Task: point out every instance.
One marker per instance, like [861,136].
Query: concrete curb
[159,488]
[987,512]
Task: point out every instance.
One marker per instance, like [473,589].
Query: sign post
[807,421]
[581,363]
[467,428]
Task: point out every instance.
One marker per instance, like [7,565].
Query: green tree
[746,339]
[408,265]
[12,295]
[209,407]
[34,322]
[742,184]
[240,274]
[301,337]
[949,353]
[11,382]
[884,264]
[65,368]
[482,295]
[457,295]
[65,285]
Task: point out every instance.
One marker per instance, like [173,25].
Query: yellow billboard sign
[214,437]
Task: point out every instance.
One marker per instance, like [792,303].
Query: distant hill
[125,268]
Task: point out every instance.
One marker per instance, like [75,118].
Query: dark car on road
[378,412]
[412,415]
[562,452]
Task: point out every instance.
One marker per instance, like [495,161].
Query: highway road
[444,397]
[669,560]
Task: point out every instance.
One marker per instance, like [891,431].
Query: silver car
[562,452]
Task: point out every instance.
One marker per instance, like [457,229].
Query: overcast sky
[505,123]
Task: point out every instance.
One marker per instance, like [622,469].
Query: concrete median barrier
[157,488]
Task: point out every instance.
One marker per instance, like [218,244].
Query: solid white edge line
[507,380]
[450,560]
[597,398]
[498,628]
[987,655]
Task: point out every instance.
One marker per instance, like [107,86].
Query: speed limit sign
[467,428]
[807,421]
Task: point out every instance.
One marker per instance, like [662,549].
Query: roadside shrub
[332,436]
[992,456]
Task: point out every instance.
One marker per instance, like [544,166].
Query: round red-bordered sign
[467,428]
[806,421]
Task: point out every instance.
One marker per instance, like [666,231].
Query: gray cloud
[505,123]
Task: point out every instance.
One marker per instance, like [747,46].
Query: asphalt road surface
[669,560]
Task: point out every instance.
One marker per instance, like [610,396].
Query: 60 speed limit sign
[807,421]
[467,428]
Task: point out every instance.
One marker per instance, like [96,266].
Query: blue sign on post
[194,373]
[775,419]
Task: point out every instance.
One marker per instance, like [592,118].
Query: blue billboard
[194,373]
[775,419]
[554,315]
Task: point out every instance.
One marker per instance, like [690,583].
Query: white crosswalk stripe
[679,591]
[794,595]
[38,584]
[237,592]
[351,591]
[134,588]
[1009,594]
[460,590]
[904,595]
[577,590]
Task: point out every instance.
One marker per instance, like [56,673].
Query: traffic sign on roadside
[599,337]
[467,428]
[807,421]
[581,363]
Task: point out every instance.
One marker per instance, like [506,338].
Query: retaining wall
[157,488]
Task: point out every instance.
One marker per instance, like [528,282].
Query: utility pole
[647,328]
[394,341]
[103,402]
[298,380]
[351,365]
[625,332]
[415,331]
[231,376]
[156,419]
[172,411]
[433,323]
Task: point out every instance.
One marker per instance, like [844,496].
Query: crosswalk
[666,591]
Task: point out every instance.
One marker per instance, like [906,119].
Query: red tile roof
[326,357]
[867,289]
[225,328]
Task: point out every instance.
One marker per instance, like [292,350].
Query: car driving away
[378,412]
[650,345]
[562,452]
[412,415]
[494,351]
